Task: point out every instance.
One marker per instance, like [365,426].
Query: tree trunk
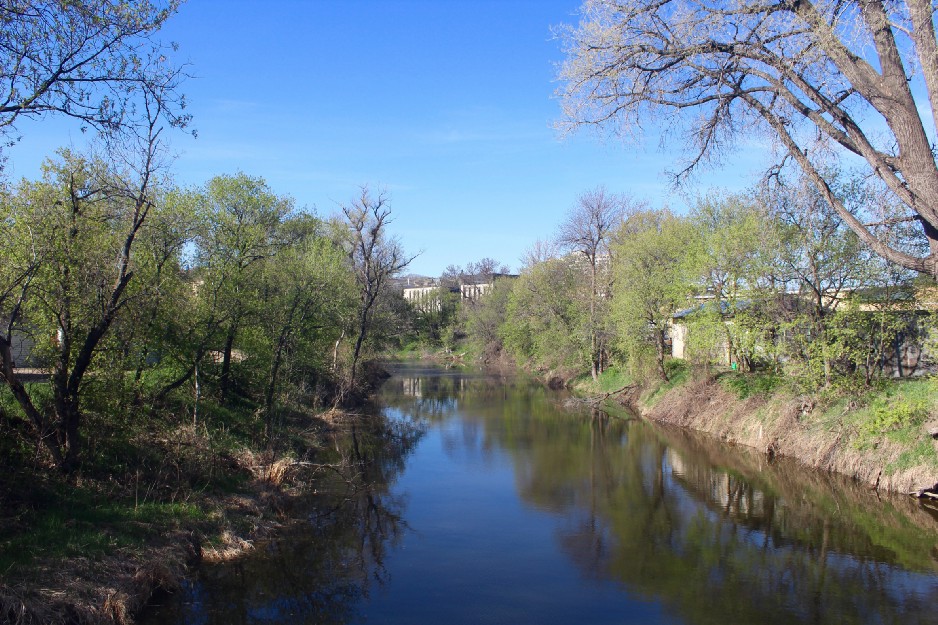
[45,435]
[225,380]
[272,379]
[659,353]
[362,331]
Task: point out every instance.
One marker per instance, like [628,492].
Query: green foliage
[732,255]
[746,385]
[892,411]
[545,319]
[678,373]
[612,379]
[483,318]
[652,281]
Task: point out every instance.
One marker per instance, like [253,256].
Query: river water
[488,500]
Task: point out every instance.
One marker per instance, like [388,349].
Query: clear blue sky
[447,104]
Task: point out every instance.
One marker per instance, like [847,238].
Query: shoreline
[116,588]
[795,427]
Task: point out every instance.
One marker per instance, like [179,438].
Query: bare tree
[820,76]
[376,258]
[483,269]
[540,251]
[585,232]
[89,60]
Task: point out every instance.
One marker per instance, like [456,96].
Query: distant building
[481,285]
[427,298]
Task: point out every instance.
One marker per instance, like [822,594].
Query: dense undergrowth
[160,488]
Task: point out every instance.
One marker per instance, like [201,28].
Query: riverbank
[883,437]
[97,546]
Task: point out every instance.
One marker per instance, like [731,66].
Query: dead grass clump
[277,472]
[15,609]
[231,547]
[80,591]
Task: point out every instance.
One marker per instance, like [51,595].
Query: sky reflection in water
[506,507]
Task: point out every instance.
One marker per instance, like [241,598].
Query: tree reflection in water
[716,534]
[318,568]
[702,532]
[646,509]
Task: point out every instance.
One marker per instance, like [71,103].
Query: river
[491,500]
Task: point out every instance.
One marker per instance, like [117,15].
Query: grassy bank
[154,498]
[878,435]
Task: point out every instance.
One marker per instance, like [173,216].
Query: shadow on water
[640,514]
[323,562]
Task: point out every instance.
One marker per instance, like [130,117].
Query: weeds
[746,385]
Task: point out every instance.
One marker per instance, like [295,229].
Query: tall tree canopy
[90,60]
[858,78]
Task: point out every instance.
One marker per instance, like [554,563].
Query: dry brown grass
[789,428]
[230,548]
[79,591]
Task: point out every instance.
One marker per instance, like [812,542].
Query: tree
[855,78]
[483,269]
[81,227]
[820,257]
[376,258]
[307,289]
[652,281]
[585,232]
[89,60]
[544,319]
[732,235]
[540,251]
[483,319]
[242,229]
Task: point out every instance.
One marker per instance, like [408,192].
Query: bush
[747,385]
[890,413]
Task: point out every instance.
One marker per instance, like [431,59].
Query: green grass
[69,522]
[746,385]
[678,372]
[895,412]
[612,379]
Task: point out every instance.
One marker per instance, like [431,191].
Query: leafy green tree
[308,290]
[80,228]
[483,319]
[436,315]
[733,238]
[242,229]
[545,317]
[653,278]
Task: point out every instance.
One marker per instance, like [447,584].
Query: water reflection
[601,520]
[717,534]
[324,562]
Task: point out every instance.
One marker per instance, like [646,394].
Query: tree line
[770,280]
[125,296]
[134,295]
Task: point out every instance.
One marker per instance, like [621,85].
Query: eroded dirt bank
[794,427]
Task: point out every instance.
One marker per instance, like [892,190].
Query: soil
[789,427]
